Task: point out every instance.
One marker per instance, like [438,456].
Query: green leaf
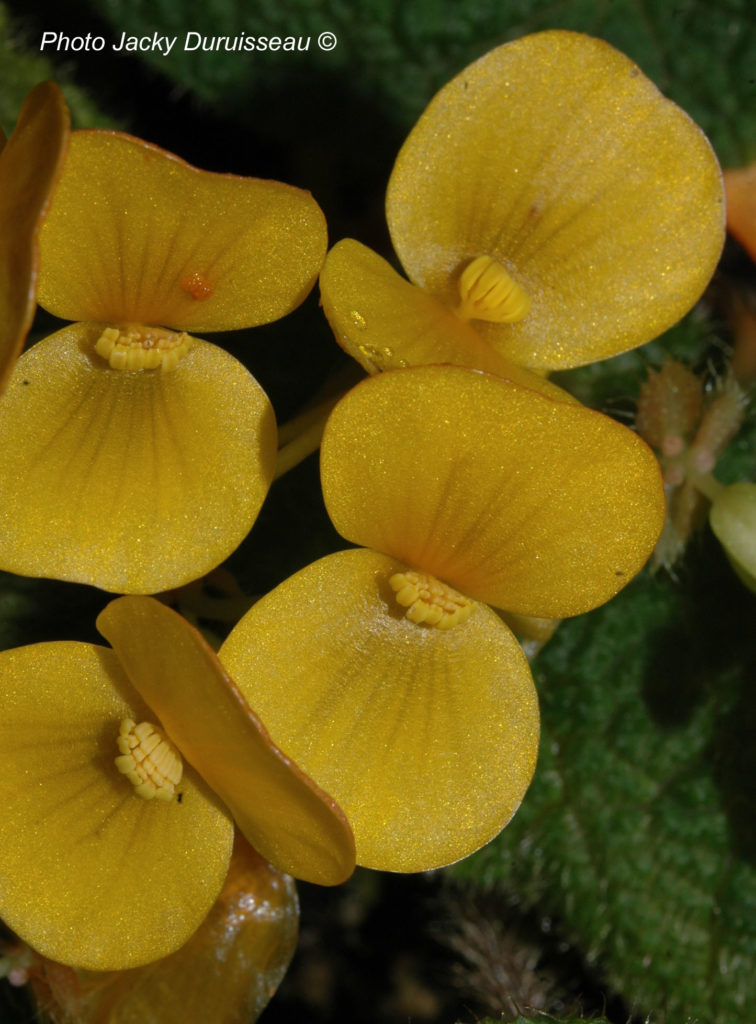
[398,54]
[22,67]
[639,831]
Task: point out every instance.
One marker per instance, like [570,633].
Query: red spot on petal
[197,286]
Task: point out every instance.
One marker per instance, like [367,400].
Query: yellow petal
[90,873]
[136,234]
[384,322]
[740,188]
[602,199]
[291,822]
[426,737]
[226,973]
[135,482]
[537,507]
[29,166]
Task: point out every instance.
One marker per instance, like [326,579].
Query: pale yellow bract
[733,519]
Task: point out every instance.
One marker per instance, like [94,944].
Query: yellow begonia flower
[380,671]
[550,207]
[30,162]
[227,972]
[120,771]
[136,457]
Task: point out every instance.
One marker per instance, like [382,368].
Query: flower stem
[300,436]
[707,484]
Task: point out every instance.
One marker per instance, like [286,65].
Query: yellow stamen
[487,292]
[430,601]
[133,347]
[148,760]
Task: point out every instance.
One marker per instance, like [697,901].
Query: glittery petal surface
[90,873]
[135,482]
[426,737]
[555,155]
[385,322]
[136,234]
[29,165]
[291,822]
[534,506]
[226,973]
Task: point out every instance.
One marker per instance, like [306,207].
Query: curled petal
[91,874]
[135,482]
[427,737]
[135,234]
[291,822]
[227,972]
[537,507]
[29,166]
[385,322]
[557,157]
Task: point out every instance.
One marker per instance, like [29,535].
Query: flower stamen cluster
[148,760]
[142,348]
[430,601]
[488,292]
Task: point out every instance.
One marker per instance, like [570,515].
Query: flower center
[487,292]
[148,760]
[429,600]
[134,347]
